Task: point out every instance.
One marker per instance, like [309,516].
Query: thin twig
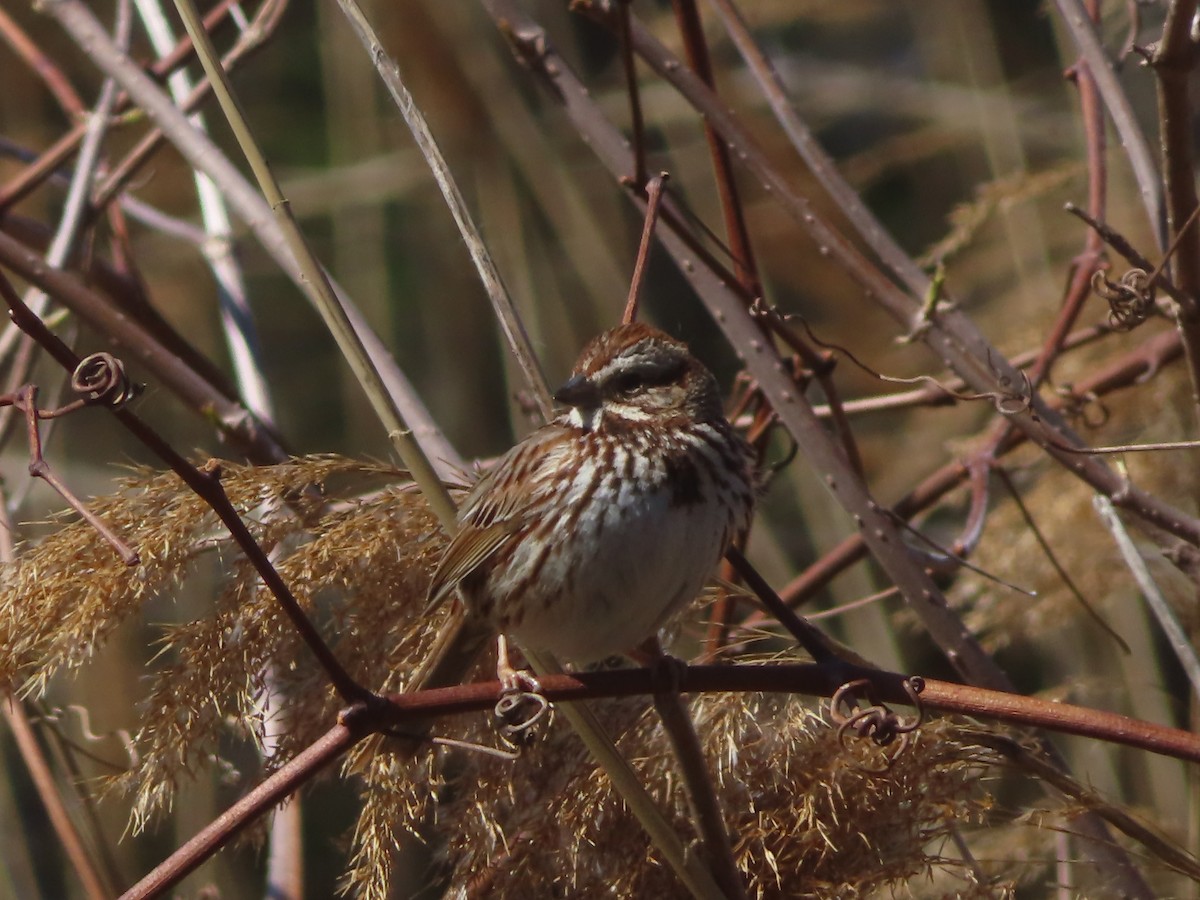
[68,835]
[654,190]
[1052,557]
[207,485]
[1178,638]
[246,202]
[636,123]
[42,65]
[809,637]
[26,401]
[502,304]
[1133,140]
[316,283]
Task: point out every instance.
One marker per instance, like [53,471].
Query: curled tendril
[1130,300]
[1086,407]
[1010,400]
[876,721]
[101,378]
[518,714]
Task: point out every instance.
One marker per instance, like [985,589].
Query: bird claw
[522,706]
[518,681]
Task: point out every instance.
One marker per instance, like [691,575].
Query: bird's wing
[492,514]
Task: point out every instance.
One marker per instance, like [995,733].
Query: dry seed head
[807,816]
[359,564]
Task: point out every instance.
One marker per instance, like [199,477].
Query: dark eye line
[629,381]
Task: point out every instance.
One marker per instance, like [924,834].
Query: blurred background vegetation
[952,118]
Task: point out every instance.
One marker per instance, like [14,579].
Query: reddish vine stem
[46,69]
[1156,352]
[824,680]
[61,150]
[687,17]
[636,123]
[207,485]
[1088,260]
[1173,62]
[654,192]
[25,400]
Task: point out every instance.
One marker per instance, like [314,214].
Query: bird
[586,537]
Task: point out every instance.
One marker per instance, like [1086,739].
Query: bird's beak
[578,391]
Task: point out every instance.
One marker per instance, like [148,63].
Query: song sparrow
[586,536]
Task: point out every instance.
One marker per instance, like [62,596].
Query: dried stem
[62,149]
[654,191]
[1185,653]
[1137,149]
[489,276]
[207,485]
[1173,63]
[247,203]
[90,875]
[361,720]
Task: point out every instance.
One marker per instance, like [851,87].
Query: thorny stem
[950,334]
[1173,63]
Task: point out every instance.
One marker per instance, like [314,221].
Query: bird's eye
[626,383]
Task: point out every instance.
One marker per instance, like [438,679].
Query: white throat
[587,419]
